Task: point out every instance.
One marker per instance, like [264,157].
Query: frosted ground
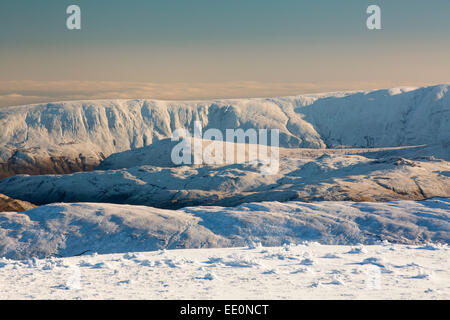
[308,271]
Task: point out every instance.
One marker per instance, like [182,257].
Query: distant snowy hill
[145,177]
[76,136]
[74,229]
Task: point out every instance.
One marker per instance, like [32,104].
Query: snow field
[305,271]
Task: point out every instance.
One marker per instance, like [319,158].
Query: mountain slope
[76,136]
[303,175]
[74,229]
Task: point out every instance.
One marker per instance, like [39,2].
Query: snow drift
[305,271]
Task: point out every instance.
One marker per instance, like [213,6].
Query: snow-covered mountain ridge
[75,136]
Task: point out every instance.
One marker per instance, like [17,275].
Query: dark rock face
[18,164]
[11,205]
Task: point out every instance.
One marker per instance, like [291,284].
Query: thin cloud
[28,92]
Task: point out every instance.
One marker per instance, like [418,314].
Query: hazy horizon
[200,49]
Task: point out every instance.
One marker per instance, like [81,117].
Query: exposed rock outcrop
[11,205]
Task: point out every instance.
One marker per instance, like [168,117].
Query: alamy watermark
[373,280]
[373,22]
[73,21]
[74,280]
[239,146]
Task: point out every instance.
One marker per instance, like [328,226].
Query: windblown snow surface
[304,271]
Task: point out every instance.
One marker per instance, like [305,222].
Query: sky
[200,49]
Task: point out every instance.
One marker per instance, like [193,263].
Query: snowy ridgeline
[306,271]
[62,230]
[75,136]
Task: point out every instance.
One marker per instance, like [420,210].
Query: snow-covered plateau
[305,271]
